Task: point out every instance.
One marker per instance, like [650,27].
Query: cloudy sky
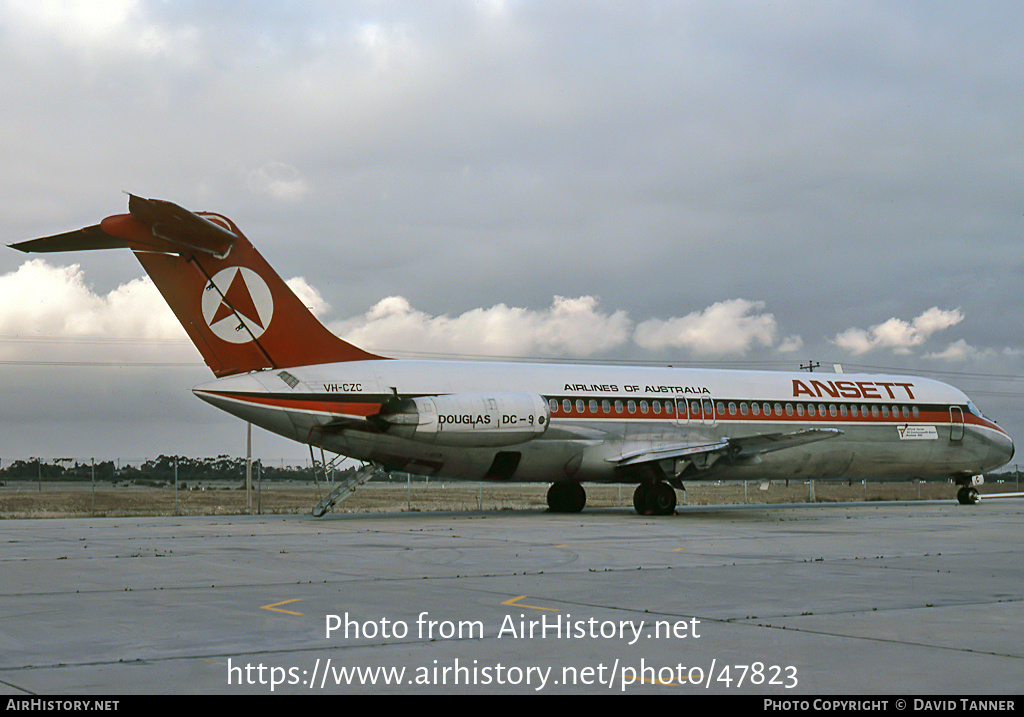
[744,184]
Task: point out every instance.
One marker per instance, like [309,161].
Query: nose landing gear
[967,495]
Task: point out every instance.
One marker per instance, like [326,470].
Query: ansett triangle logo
[237,305]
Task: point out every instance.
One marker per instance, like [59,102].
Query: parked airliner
[278,367]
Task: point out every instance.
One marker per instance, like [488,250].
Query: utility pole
[810,366]
[248,465]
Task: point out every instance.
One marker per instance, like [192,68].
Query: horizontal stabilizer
[150,225]
[85,239]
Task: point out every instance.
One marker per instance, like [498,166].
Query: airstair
[344,482]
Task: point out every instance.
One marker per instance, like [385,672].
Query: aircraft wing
[741,448]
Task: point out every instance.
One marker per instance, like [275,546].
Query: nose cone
[1008,449]
[1000,451]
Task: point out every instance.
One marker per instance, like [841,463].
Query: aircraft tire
[640,501]
[566,497]
[967,495]
[654,499]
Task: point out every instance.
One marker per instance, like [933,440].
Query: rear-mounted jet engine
[468,419]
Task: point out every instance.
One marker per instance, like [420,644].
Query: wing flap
[770,442]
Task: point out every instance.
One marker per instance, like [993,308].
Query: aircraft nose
[1003,449]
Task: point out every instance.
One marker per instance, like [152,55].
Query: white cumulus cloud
[277,180]
[39,299]
[725,328]
[960,352]
[897,334]
[572,327]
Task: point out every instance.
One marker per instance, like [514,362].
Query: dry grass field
[28,499]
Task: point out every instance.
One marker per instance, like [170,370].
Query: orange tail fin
[236,309]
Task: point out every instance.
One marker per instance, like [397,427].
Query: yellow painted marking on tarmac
[275,607]
[514,602]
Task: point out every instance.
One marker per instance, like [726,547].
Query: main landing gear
[654,495]
[657,498]
[566,497]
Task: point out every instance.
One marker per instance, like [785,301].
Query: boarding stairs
[344,482]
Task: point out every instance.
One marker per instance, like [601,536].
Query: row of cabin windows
[704,408]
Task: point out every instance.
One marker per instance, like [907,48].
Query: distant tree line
[193,470]
[157,469]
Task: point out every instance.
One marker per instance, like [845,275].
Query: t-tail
[236,309]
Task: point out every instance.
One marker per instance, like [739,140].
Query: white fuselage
[884,426]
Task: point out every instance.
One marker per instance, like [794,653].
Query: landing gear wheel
[654,499]
[640,500]
[967,495]
[566,497]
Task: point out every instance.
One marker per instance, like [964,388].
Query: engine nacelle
[469,419]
